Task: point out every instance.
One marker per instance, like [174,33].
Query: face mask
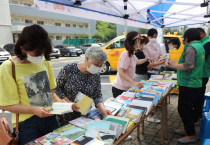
[93,69]
[144,47]
[153,40]
[35,59]
[171,47]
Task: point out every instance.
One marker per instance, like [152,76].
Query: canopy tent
[137,13]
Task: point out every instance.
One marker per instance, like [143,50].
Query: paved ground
[152,130]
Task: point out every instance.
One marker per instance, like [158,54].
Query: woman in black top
[141,70]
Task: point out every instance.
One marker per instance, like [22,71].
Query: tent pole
[126,29]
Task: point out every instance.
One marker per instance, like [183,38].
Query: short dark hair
[192,34]
[174,41]
[151,32]
[201,30]
[32,38]
[130,41]
[144,40]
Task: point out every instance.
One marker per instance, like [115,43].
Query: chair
[206,142]
[205,127]
[206,106]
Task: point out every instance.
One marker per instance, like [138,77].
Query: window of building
[16,20]
[68,37]
[50,23]
[40,22]
[74,25]
[28,21]
[86,26]
[51,37]
[57,24]
[80,26]
[58,37]
[14,2]
[68,25]
[25,4]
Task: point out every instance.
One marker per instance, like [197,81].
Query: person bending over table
[82,77]
[127,65]
[189,77]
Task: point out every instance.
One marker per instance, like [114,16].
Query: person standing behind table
[153,49]
[82,77]
[141,70]
[127,65]
[189,77]
[25,96]
[205,41]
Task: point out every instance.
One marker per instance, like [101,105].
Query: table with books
[129,111]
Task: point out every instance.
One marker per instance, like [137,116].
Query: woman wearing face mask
[82,77]
[127,64]
[141,70]
[189,78]
[153,47]
[32,93]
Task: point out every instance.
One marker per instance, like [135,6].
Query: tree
[81,36]
[143,31]
[99,37]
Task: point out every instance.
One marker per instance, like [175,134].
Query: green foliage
[99,37]
[106,30]
[143,31]
[81,36]
[171,30]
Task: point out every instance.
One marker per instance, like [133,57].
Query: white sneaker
[152,119]
[128,138]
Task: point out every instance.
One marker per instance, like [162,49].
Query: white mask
[144,47]
[153,40]
[171,47]
[93,69]
[35,59]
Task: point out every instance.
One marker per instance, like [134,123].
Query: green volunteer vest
[206,70]
[192,78]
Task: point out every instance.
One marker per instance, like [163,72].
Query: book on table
[61,108]
[81,122]
[86,140]
[84,102]
[139,103]
[111,102]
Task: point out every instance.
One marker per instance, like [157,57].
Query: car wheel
[105,68]
[68,54]
[57,57]
[78,54]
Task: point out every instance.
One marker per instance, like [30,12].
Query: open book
[84,102]
[61,108]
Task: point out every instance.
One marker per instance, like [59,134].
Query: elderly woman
[82,77]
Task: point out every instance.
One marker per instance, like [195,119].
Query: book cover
[53,138]
[128,94]
[73,133]
[84,102]
[94,113]
[125,98]
[61,108]
[111,102]
[63,128]
[81,122]
[85,140]
[133,114]
[131,124]
[99,124]
[141,103]
[107,136]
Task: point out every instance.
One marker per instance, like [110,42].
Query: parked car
[55,53]
[10,48]
[66,50]
[86,46]
[4,55]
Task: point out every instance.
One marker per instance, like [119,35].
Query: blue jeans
[36,127]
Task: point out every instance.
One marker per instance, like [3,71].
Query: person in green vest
[205,41]
[189,77]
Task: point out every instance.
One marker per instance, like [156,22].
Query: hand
[171,62]
[41,112]
[106,112]
[138,85]
[75,107]
[63,101]
[162,61]
[151,60]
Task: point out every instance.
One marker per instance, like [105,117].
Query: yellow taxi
[115,47]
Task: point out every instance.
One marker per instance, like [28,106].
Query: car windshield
[1,49]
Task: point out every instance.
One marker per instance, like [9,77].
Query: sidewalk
[152,130]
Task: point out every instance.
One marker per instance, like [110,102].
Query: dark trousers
[36,127]
[200,100]
[116,92]
[186,104]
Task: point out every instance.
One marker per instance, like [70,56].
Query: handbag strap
[17,115]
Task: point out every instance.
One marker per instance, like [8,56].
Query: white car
[4,55]
[55,53]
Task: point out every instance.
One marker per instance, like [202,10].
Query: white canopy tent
[136,13]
